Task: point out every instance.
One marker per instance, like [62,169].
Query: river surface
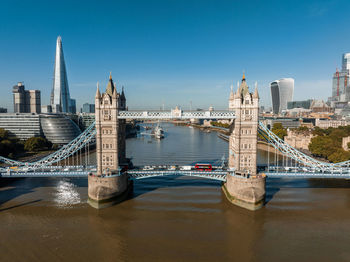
[174,218]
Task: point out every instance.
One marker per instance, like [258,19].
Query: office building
[281,93]
[25,101]
[299,104]
[60,98]
[23,126]
[57,128]
[88,108]
[340,84]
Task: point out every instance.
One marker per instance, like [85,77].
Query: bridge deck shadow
[274,185]
[146,185]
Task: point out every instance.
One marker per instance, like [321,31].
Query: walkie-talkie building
[281,93]
[60,98]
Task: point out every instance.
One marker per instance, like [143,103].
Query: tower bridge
[242,183]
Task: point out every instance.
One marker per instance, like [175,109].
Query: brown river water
[174,218]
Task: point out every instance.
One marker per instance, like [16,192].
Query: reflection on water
[174,218]
[66,194]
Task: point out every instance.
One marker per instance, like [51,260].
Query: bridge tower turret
[244,188]
[108,186]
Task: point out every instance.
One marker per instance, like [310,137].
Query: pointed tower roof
[98,94]
[123,94]
[110,86]
[114,95]
[231,93]
[256,94]
[243,89]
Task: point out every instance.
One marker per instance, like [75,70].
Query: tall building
[243,140]
[60,99]
[340,86]
[110,136]
[281,93]
[26,101]
[88,108]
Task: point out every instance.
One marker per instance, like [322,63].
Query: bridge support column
[244,187]
[246,192]
[108,190]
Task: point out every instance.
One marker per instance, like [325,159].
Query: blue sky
[173,52]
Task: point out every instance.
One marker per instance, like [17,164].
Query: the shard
[60,99]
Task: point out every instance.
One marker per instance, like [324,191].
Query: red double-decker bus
[203,167]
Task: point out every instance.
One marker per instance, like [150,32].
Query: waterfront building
[57,128]
[88,108]
[60,98]
[25,101]
[85,120]
[281,93]
[23,125]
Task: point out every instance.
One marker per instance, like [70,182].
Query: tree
[322,146]
[279,130]
[4,134]
[339,155]
[35,144]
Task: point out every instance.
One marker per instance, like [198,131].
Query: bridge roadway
[140,173]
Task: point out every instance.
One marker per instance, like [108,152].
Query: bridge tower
[108,186]
[244,188]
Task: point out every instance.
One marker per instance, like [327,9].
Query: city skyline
[174,53]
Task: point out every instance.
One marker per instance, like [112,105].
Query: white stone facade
[243,139]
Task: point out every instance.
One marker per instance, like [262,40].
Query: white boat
[158,132]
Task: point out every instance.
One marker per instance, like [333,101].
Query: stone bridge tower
[245,188]
[107,186]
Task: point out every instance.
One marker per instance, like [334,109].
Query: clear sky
[173,51]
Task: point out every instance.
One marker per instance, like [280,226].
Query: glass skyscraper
[60,98]
[281,93]
[340,86]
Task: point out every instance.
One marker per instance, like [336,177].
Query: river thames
[175,218]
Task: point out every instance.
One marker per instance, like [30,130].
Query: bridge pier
[246,192]
[105,191]
[244,187]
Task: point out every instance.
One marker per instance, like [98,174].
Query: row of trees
[11,146]
[215,123]
[327,143]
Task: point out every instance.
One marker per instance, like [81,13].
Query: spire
[110,86]
[123,94]
[98,94]
[114,95]
[256,94]
[243,89]
[231,93]
[60,90]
